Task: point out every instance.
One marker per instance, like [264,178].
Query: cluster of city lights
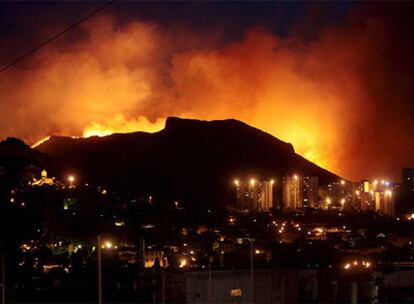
[282,226]
[252,182]
[282,229]
[108,245]
[188,255]
[383,182]
[357,265]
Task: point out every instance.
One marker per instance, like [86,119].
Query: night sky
[335,79]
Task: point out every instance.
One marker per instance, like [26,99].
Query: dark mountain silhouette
[18,164]
[189,160]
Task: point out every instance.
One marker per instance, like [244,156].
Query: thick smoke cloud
[341,96]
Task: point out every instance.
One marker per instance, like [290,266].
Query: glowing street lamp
[183,263]
[252,181]
[71,180]
[236,182]
[347,266]
[108,245]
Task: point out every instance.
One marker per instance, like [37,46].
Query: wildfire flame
[39,142]
[319,95]
[119,124]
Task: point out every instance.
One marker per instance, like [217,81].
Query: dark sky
[25,25]
[333,78]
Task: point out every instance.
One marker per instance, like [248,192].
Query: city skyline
[206,152]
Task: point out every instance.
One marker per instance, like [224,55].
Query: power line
[34,50]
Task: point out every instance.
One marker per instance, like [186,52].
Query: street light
[210,263]
[108,245]
[71,180]
[183,263]
[251,287]
[347,266]
[99,260]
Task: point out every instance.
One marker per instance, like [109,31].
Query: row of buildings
[295,191]
[264,195]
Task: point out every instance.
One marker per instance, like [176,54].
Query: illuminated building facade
[310,186]
[300,191]
[267,195]
[407,185]
[44,180]
[338,194]
[152,256]
[254,195]
[293,192]
[376,195]
[365,196]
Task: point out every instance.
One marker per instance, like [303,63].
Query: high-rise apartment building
[254,194]
[300,191]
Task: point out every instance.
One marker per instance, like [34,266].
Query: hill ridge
[191,160]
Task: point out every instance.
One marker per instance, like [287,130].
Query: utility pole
[210,262]
[99,253]
[251,272]
[3,279]
[162,284]
[143,253]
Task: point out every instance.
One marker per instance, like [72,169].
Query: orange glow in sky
[311,94]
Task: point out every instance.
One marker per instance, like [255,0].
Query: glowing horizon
[310,93]
[119,125]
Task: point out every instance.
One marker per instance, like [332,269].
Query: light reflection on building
[300,191]
[375,195]
[254,194]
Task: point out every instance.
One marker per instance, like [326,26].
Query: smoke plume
[343,98]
